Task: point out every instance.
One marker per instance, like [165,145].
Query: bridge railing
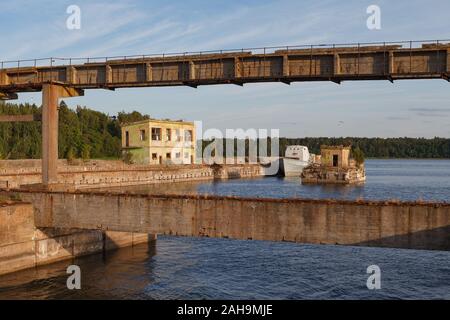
[54,62]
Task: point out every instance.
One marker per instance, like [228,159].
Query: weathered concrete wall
[24,246]
[94,174]
[384,224]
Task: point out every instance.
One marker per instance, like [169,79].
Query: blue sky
[34,29]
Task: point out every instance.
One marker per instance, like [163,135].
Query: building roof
[341,147]
[128,124]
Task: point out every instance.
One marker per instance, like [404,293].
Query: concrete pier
[412,225]
[24,246]
[98,173]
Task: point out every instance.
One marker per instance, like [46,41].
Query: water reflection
[115,274]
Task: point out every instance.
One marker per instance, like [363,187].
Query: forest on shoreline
[86,133]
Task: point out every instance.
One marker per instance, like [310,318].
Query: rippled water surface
[191,268]
[386,179]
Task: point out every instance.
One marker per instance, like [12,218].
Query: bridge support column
[51,93]
[49,134]
[4,79]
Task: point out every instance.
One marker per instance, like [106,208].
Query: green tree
[85,152]
[358,155]
[70,154]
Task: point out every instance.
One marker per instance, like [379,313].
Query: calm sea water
[192,268]
[386,179]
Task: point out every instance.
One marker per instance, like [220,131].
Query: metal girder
[8,96]
[20,118]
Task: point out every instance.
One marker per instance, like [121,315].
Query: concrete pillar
[337,64]
[51,93]
[71,74]
[108,74]
[237,68]
[4,78]
[191,70]
[49,134]
[149,72]
[391,62]
[286,65]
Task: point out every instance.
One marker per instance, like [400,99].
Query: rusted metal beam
[286,65]
[20,118]
[8,96]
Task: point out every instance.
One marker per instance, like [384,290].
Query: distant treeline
[379,147]
[83,133]
[86,133]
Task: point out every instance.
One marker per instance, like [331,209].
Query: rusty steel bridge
[336,62]
[68,77]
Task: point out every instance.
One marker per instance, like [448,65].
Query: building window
[178,155]
[168,134]
[142,135]
[156,134]
[168,155]
[188,135]
[154,156]
[127,139]
[178,134]
[335,160]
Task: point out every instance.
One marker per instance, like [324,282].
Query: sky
[419,108]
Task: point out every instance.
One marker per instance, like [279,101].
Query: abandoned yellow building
[334,166]
[159,142]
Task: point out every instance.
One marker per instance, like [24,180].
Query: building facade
[159,142]
[335,156]
[335,166]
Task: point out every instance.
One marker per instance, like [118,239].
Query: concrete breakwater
[413,225]
[101,173]
[24,246]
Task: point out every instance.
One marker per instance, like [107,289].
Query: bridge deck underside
[339,64]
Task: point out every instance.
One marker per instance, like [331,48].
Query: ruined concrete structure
[359,223]
[159,141]
[98,173]
[335,167]
[23,245]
